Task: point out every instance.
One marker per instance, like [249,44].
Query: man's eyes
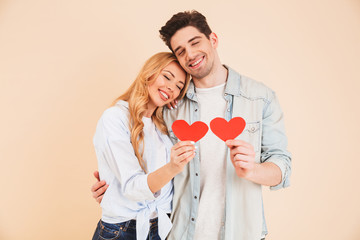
[192,44]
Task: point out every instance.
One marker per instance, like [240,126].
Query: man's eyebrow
[170,73]
[177,49]
[192,39]
[196,37]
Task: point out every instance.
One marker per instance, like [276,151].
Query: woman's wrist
[172,169]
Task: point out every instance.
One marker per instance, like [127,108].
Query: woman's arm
[181,154]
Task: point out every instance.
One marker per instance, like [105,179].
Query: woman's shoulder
[116,113]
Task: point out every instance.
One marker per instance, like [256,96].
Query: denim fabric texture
[125,230]
[265,131]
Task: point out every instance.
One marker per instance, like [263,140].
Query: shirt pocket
[252,134]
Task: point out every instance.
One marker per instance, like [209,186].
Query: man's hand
[99,188]
[242,156]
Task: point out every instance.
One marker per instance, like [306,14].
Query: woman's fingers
[188,158]
[184,149]
[185,155]
[182,144]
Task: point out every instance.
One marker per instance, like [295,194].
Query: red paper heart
[184,132]
[227,130]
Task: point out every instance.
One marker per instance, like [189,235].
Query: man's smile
[195,64]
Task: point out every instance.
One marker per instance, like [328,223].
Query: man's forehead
[184,35]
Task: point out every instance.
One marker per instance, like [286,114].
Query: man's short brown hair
[181,20]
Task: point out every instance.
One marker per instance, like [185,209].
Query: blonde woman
[136,157]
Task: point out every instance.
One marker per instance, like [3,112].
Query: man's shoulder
[178,113]
[248,87]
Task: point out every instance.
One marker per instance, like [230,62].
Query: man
[218,195]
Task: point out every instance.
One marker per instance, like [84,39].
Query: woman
[136,157]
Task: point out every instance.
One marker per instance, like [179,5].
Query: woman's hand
[172,105]
[181,153]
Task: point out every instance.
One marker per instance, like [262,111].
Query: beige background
[63,62]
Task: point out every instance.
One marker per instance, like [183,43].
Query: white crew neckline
[210,89]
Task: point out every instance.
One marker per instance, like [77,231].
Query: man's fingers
[242,164]
[98,185]
[96,175]
[100,191]
[242,150]
[243,158]
[99,199]
[237,143]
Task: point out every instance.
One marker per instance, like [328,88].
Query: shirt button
[252,129]
[192,219]
[196,110]
[228,109]
[195,197]
[196,174]
[225,94]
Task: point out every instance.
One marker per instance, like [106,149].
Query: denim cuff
[285,181]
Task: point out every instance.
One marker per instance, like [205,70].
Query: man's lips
[197,63]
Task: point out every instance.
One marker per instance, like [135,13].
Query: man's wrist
[251,174]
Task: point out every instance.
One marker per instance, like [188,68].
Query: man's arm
[275,167]
[99,188]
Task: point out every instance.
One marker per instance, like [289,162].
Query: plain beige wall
[63,62]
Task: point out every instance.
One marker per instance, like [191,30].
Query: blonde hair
[138,97]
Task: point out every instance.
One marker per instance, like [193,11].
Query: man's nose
[190,54]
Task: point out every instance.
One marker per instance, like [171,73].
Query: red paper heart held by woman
[184,132]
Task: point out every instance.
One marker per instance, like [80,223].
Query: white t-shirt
[212,166]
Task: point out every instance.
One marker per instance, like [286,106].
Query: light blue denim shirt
[129,196]
[258,105]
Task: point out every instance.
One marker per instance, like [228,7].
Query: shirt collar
[232,87]
[233,82]
[122,103]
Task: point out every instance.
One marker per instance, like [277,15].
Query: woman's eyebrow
[170,73]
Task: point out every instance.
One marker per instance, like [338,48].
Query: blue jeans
[123,230]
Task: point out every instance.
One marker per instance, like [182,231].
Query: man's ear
[214,40]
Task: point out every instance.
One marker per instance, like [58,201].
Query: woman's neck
[149,111]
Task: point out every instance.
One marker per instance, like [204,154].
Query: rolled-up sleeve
[274,141]
[115,151]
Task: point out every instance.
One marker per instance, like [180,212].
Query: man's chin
[199,74]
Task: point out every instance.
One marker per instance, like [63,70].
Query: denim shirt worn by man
[244,214]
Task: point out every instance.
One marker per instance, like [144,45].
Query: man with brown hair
[218,195]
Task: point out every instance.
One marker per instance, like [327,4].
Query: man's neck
[216,77]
